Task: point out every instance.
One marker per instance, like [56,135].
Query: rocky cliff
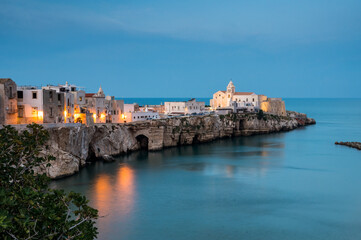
[73,146]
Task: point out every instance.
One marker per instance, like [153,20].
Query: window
[59,97]
[20,94]
[68,102]
[252,99]
[51,95]
[35,95]
[51,112]
[80,99]
[10,92]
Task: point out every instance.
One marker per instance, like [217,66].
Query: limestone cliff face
[73,146]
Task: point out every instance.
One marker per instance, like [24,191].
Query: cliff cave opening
[241,124]
[195,139]
[143,142]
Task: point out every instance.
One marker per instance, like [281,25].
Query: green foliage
[221,117]
[260,115]
[29,209]
[234,117]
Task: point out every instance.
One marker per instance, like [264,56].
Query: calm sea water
[294,185]
[156,101]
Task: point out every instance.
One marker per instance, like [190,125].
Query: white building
[30,104]
[140,116]
[233,100]
[132,113]
[115,109]
[39,105]
[184,107]
[129,107]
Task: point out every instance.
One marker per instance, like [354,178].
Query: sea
[290,185]
[157,101]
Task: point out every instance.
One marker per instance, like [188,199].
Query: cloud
[229,22]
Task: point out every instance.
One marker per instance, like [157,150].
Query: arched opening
[241,125]
[143,142]
[195,139]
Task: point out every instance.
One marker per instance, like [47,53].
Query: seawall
[74,145]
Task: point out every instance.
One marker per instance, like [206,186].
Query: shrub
[29,209]
[260,115]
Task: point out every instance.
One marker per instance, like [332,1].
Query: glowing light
[123,116]
[65,114]
[125,188]
[76,115]
[102,115]
[40,114]
[95,117]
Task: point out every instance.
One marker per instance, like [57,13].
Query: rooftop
[244,93]
[4,80]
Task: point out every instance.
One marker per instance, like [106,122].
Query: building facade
[36,105]
[66,101]
[105,109]
[274,106]
[8,101]
[184,107]
[140,116]
[114,109]
[234,100]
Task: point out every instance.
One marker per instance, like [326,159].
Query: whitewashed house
[184,107]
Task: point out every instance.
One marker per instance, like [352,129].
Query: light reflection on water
[294,185]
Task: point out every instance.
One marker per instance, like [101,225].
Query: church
[246,101]
[234,100]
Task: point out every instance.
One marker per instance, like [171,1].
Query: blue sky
[309,48]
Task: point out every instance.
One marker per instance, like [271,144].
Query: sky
[188,48]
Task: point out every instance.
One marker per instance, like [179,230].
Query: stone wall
[274,106]
[74,145]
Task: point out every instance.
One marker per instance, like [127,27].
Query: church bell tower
[231,89]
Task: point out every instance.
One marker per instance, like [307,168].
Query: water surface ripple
[293,185]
